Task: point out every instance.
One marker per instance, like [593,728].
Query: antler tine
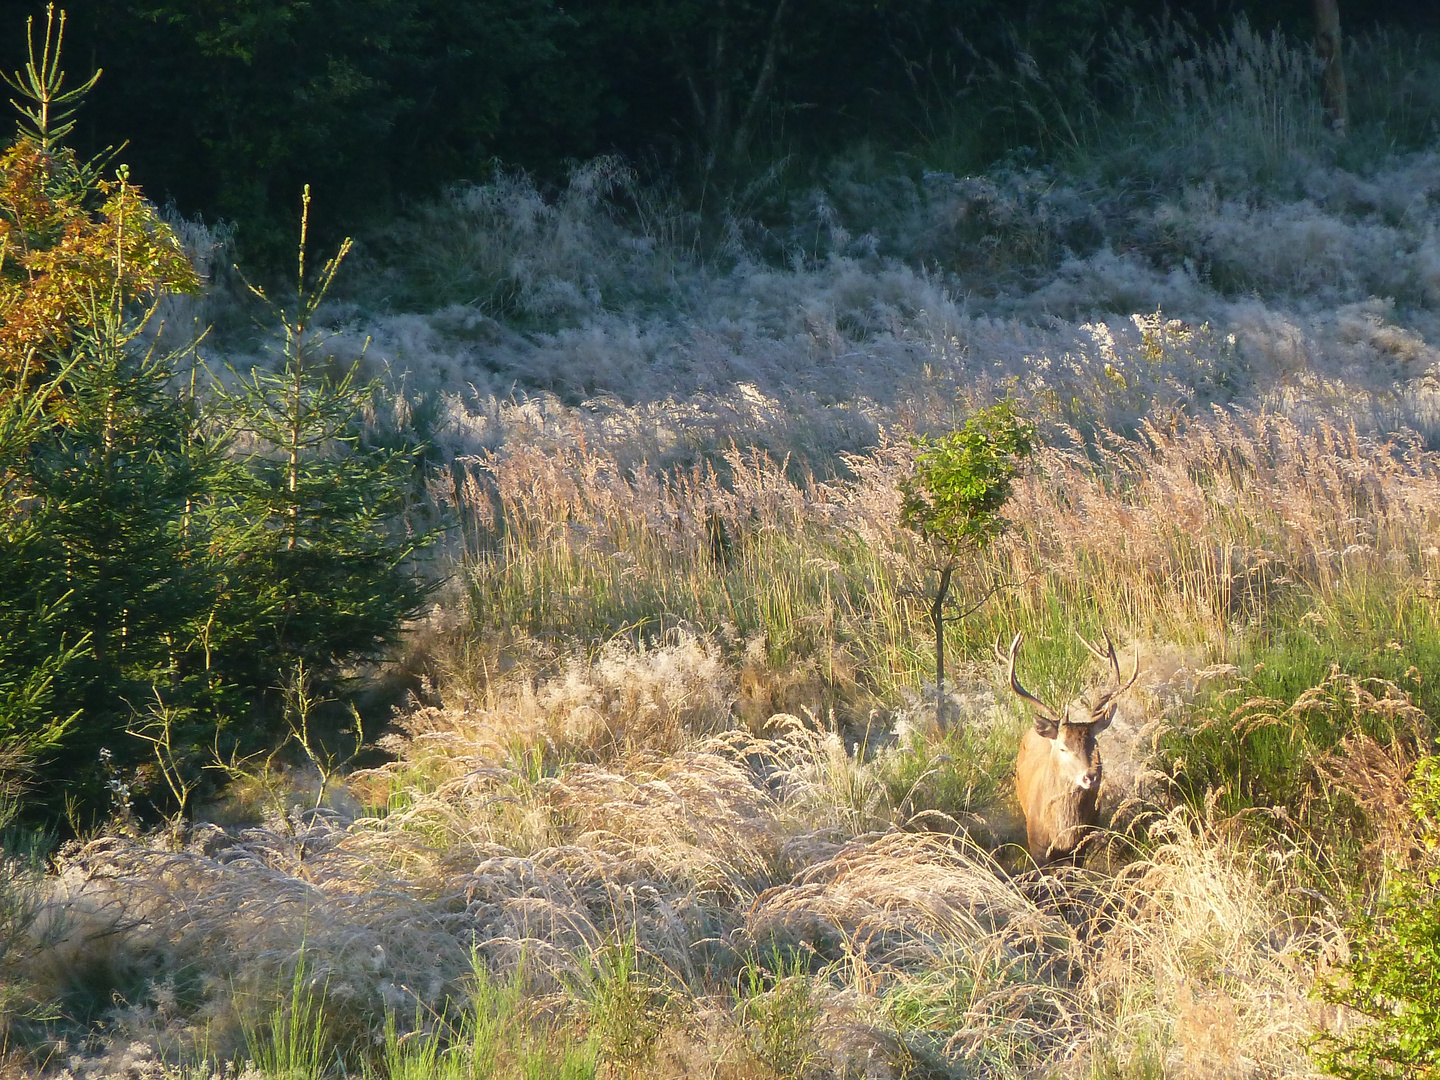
[1108,655]
[1134,677]
[1020,690]
[999,651]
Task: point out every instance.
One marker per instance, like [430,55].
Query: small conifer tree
[31,653]
[313,518]
[95,584]
[169,556]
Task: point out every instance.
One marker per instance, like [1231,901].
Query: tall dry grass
[915,952]
[677,786]
[1200,532]
[1243,101]
[664,772]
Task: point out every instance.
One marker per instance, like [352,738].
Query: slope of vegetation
[667,794]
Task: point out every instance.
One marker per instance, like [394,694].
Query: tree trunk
[725,123]
[1333,95]
[741,142]
[937,618]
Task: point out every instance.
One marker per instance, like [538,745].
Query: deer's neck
[1073,807]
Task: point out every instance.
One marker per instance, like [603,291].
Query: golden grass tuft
[916,947]
[1185,532]
[1212,953]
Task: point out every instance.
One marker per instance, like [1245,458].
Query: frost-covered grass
[1316,299]
[671,798]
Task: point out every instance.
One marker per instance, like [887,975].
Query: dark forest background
[230,106]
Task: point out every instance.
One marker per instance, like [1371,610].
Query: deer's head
[1075,759]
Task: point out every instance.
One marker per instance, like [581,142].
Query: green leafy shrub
[1393,974]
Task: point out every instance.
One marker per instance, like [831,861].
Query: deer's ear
[1046,726]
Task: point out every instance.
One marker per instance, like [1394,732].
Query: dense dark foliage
[168,558]
[230,107]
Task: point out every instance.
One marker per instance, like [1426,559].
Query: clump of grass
[938,782]
[504,249]
[1172,103]
[777,1005]
[22,896]
[1212,953]
[1245,99]
[1316,759]
[1395,96]
[500,1033]
[572,548]
[593,705]
[293,1041]
[625,1006]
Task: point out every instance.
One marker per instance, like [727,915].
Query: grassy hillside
[668,796]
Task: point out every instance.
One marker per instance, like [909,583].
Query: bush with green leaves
[1393,975]
[962,481]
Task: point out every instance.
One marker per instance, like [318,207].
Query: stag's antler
[1109,654]
[1040,706]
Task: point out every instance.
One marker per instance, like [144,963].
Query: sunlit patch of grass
[938,782]
[1347,672]
[598,556]
[1204,533]
[625,1003]
[777,1005]
[294,1041]
[498,1034]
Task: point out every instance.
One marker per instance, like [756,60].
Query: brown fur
[1057,812]
[1058,771]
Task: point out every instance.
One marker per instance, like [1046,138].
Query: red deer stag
[1057,775]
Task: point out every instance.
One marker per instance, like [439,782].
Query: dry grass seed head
[1211,951]
[899,898]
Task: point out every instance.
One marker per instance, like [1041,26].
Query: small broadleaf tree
[962,481]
